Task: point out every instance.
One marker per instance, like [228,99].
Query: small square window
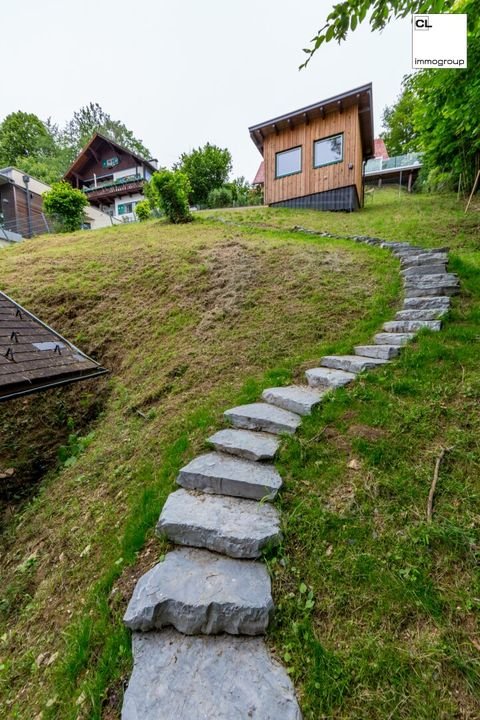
[288,162]
[328,151]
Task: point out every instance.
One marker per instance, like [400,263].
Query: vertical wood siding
[315,180]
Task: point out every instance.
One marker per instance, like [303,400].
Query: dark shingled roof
[34,357]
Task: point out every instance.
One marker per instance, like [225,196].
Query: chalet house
[314,157]
[111,176]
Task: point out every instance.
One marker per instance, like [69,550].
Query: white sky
[182,73]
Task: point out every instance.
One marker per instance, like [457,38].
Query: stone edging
[198,616]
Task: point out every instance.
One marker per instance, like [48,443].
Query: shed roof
[95,142]
[34,357]
[361,96]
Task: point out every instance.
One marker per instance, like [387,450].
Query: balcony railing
[108,184]
[393,163]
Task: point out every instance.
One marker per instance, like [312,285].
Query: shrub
[220,197]
[170,189]
[143,210]
[207,168]
[65,205]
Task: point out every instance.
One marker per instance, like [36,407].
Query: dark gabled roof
[33,357]
[361,96]
[83,156]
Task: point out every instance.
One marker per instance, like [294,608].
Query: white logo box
[439,41]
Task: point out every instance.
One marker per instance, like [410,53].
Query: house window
[328,151]
[288,162]
[126,208]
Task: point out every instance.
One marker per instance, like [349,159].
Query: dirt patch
[366,432]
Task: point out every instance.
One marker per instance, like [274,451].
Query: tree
[400,135]
[92,118]
[65,205]
[347,15]
[23,135]
[207,168]
[168,191]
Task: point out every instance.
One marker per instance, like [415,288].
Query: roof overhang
[361,96]
[87,152]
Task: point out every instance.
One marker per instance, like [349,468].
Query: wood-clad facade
[334,183]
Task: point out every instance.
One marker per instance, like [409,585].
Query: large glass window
[288,162]
[328,151]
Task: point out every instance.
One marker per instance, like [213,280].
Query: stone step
[433,290]
[226,475]
[206,677]
[422,270]
[393,338]
[383,352]
[425,259]
[328,379]
[408,326]
[228,525]
[439,279]
[426,303]
[295,398]
[262,416]
[246,443]
[351,363]
[197,591]
[421,314]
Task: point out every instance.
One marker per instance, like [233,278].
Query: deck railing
[113,183]
[398,161]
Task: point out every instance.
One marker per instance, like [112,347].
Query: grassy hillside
[376,609]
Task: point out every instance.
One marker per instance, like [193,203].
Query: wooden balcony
[114,189]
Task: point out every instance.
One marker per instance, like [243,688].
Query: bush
[143,210]
[437,181]
[64,205]
[169,190]
[220,198]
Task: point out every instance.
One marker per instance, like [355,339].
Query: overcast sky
[182,73]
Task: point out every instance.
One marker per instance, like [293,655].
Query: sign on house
[110,162]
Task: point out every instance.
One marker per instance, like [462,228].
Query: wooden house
[111,176]
[21,205]
[314,157]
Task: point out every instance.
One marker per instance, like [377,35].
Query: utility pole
[26,180]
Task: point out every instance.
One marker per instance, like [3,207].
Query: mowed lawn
[190,321]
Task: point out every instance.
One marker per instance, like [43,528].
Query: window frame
[295,172]
[333,162]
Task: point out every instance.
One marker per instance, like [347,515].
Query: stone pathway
[198,617]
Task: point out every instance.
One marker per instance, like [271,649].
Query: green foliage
[69,453]
[347,15]
[447,111]
[24,136]
[143,211]
[65,206]
[92,118]
[207,168]
[169,190]
[400,136]
[220,197]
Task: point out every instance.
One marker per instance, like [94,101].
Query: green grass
[376,609]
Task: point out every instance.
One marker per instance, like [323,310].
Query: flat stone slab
[430,290]
[262,416]
[246,443]
[421,314]
[228,525]
[393,338]
[327,378]
[425,259]
[206,678]
[351,363]
[426,303]
[403,326]
[197,591]
[295,398]
[421,270]
[384,352]
[227,475]
[435,279]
